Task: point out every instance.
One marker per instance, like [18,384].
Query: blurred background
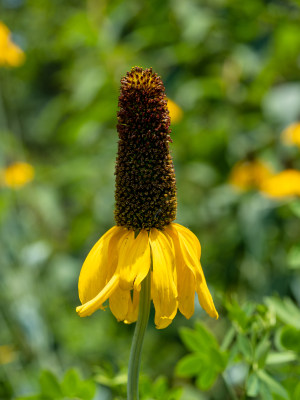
[231,72]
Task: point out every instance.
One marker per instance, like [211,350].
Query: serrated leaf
[190,365]
[273,385]
[252,385]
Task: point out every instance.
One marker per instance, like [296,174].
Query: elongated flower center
[145,179]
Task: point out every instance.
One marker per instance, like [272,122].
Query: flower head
[284,184]
[10,54]
[17,175]
[145,240]
[175,111]
[247,175]
[291,134]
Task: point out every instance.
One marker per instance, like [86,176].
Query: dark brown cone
[145,179]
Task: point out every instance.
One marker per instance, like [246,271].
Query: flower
[145,239]
[10,54]
[17,175]
[285,183]
[246,175]
[291,134]
[175,111]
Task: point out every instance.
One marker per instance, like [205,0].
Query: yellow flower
[291,134]
[283,184]
[247,175]
[145,240]
[119,261]
[175,111]
[10,54]
[17,175]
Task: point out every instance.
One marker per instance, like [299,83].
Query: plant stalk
[138,339]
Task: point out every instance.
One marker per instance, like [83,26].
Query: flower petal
[99,265]
[119,302]
[190,237]
[96,303]
[185,277]
[164,290]
[190,248]
[133,308]
[205,298]
[134,259]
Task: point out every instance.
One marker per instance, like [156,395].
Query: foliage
[258,356]
[72,386]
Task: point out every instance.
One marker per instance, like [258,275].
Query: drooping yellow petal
[205,298]
[100,265]
[119,303]
[190,236]
[185,276]
[134,259]
[91,306]
[133,308]
[190,249]
[164,292]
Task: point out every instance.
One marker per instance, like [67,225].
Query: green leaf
[245,347]
[50,386]
[286,310]
[290,338]
[265,391]
[192,340]
[293,257]
[236,314]
[70,382]
[198,340]
[218,359]
[295,207]
[190,365]
[261,351]
[252,385]
[280,358]
[274,387]
[206,336]
[296,394]
[206,379]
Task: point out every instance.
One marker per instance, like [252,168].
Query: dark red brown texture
[145,179]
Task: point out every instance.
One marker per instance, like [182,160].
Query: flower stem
[138,339]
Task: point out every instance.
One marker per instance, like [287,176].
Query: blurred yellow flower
[175,111]
[7,354]
[17,175]
[246,175]
[291,134]
[285,183]
[10,54]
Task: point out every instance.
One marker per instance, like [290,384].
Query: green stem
[138,339]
